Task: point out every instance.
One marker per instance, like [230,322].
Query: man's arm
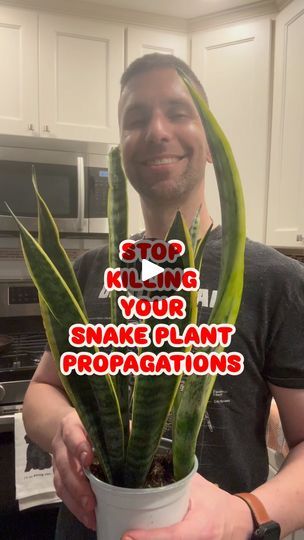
[283,496]
[52,422]
[45,404]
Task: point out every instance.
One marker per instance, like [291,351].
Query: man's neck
[159,217]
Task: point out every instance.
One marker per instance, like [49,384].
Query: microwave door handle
[81,194]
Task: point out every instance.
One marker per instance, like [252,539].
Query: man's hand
[214,514]
[71,451]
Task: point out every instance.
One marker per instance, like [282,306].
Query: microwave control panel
[22,295]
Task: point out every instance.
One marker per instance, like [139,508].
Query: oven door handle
[82,225]
[7,423]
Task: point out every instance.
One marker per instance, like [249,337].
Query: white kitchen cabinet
[80,63]
[234,65]
[18,71]
[142,41]
[286,185]
[60,76]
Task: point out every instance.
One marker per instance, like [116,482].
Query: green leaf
[195,225]
[48,239]
[94,397]
[154,395]
[118,231]
[197,389]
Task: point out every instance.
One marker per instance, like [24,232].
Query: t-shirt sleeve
[284,364]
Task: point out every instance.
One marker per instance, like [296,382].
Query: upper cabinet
[18,71]
[286,188]
[234,65]
[80,63]
[142,41]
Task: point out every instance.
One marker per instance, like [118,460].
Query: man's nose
[158,128]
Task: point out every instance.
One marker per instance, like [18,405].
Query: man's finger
[166,533]
[69,477]
[84,515]
[185,530]
[75,438]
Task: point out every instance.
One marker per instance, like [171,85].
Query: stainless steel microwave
[72,178]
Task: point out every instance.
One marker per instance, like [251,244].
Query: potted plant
[125,456]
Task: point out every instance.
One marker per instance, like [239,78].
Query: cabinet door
[80,64]
[142,41]
[286,187]
[18,72]
[233,64]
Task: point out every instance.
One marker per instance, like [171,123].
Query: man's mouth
[163,160]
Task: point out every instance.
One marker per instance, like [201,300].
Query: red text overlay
[138,335]
[190,344]
[152,364]
[121,279]
[173,307]
[156,250]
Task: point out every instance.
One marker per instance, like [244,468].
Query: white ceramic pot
[120,509]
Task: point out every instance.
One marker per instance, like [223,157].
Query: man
[165,152]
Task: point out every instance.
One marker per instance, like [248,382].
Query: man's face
[163,142]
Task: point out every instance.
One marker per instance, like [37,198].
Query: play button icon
[154,267]
[150,269]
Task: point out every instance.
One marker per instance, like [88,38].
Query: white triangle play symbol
[149,270]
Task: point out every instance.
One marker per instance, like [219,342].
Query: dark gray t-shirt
[269,333]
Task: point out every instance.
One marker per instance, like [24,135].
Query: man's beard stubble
[168,191]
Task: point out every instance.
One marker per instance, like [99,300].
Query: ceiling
[186,9]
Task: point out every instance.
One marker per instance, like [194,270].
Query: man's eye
[178,115]
[135,122]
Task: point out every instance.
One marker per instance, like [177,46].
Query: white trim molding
[91,9]
[250,11]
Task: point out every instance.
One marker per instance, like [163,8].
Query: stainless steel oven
[22,342]
[21,325]
[71,176]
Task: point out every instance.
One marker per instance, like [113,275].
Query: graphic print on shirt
[214,428]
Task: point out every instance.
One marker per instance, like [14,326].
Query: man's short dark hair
[158,60]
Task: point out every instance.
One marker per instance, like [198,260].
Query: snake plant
[103,401]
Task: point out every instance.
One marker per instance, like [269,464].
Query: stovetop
[24,352]
[20,359]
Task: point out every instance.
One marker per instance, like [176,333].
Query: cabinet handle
[30,127]
[46,129]
[81,194]
[2,392]
[300,237]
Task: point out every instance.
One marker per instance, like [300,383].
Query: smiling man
[168,162]
[165,153]
[164,147]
